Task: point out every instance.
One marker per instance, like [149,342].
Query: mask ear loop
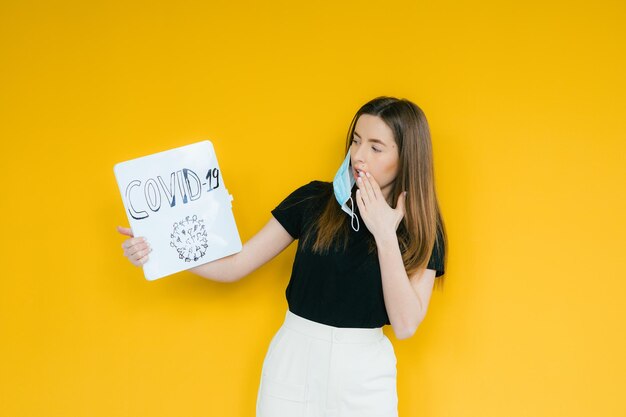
[354,217]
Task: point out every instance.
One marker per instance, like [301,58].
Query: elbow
[406,331]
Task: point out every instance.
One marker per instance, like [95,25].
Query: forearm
[220,270]
[403,305]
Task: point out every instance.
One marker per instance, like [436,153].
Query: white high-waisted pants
[316,370]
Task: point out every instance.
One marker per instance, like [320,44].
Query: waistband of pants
[332,333]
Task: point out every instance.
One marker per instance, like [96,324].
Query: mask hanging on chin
[342,186]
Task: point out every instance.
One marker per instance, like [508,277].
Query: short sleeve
[291,212]
[436,261]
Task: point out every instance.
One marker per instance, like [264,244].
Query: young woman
[330,357]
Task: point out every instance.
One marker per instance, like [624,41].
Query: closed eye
[373,147]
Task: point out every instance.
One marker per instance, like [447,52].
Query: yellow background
[526,106]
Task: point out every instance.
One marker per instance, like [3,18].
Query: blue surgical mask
[342,185]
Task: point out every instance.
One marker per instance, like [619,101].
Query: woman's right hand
[136,249]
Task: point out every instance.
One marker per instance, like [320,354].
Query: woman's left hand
[378,216]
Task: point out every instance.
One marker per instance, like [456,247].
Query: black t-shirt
[341,289]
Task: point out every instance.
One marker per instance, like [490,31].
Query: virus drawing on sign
[189,238]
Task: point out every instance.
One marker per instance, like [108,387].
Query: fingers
[365,188]
[140,257]
[359,201]
[401,205]
[374,185]
[142,261]
[136,250]
[128,243]
[125,231]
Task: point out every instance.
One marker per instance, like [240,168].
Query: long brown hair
[422,226]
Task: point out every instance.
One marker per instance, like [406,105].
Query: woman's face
[374,150]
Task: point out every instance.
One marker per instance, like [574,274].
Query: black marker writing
[213,174]
[154,191]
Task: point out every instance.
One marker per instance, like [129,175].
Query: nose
[358,158]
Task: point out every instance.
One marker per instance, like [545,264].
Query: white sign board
[177,200]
